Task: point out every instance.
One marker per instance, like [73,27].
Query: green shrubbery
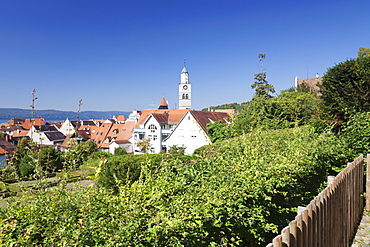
[237,193]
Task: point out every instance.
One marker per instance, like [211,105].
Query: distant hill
[9,113]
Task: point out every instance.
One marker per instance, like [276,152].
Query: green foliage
[363,52]
[144,145]
[239,193]
[235,106]
[120,151]
[345,88]
[356,134]
[288,109]
[100,155]
[218,131]
[263,89]
[79,153]
[24,159]
[50,159]
[120,170]
[177,150]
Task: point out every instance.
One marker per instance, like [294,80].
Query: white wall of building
[38,137]
[67,128]
[189,134]
[153,131]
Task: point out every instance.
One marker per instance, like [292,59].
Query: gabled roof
[45,128]
[174,115]
[162,118]
[101,134]
[123,131]
[68,141]
[27,124]
[20,133]
[122,142]
[86,131]
[205,117]
[11,128]
[16,121]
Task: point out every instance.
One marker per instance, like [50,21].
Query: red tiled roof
[205,117]
[101,134]
[20,133]
[68,142]
[174,115]
[28,123]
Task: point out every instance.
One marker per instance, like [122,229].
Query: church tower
[184,90]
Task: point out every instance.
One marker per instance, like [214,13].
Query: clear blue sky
[124,54]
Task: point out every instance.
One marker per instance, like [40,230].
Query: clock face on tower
[185,87]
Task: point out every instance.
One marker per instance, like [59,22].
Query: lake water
[47,120]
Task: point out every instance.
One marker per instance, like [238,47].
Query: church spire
[163,104]
[184,70]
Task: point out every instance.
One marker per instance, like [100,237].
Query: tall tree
[261,85]
[345,88]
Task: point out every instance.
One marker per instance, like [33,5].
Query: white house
[156,125]
[46,135]
[191,131]
[127,145]
[71,127]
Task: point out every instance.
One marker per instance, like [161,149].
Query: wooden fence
[331,218]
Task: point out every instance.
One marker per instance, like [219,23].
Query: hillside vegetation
[237,193]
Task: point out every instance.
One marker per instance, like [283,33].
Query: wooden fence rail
[331,218]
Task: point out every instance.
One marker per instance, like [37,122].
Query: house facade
[46,135]
[191,131]
[156,125]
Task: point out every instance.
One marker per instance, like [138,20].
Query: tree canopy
[346,88]
[363,52]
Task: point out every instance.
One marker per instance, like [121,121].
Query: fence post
[367,195]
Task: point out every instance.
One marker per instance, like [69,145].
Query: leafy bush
[238,192]
[24,159]
[118,170]
[120,151]
[50,159]
[356,133]
[345,88]
[177,150]
[287,110]
[79,153]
